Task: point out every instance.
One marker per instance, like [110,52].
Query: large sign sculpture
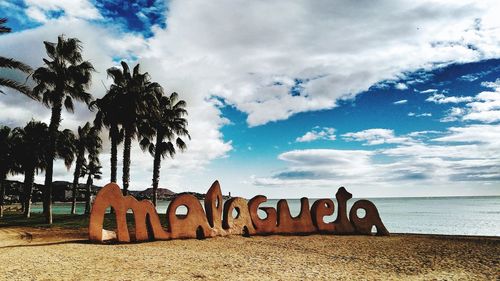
[217,218]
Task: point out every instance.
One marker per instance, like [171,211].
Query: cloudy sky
[294,98]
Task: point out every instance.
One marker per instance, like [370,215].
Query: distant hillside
[163,193]
[61,192]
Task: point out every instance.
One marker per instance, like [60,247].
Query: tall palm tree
[91,169]
[135,97]
[87,140]
[108,116]
[30,144]
[169,125]
[6,161]
[64,78]
[13,64]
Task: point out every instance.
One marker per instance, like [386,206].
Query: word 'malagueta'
[217,219]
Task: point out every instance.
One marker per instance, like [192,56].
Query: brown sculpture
[301,224]
[217,220]
[322,208]
[192,225]
[267,225]
[213,208]
[372,218]
[342,223]
[242,223]
[111,196]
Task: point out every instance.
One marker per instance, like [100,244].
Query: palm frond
[144,144]
[16,86]
[65,147]
[68,104]
[136,70]
[126,71]
[180,144]
[70,49]
[14,64]
[50,49]
[4,29]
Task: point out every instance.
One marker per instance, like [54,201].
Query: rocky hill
[163,193]
[62,192]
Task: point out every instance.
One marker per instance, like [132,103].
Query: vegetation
[6,161]
[92,169]
[13,64]
[30,144]
[168,125]
[87,141]
[64,78]
[133,107]
[107,116]
[135,97]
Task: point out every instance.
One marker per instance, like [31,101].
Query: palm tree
[64,78]
[92,170]
[6,161]
[13,64]
[108,116]
[88,140]
[30,144]
[135,97]
[168,124]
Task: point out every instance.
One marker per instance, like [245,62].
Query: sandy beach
[65,254]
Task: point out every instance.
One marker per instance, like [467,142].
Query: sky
[292,98]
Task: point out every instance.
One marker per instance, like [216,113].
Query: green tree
[135,98]
[91,169]
[168,124]
[6,161]
[13,64]
[64,78]
[87,140]
[108,115]
[30,144]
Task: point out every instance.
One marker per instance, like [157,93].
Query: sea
[423,215]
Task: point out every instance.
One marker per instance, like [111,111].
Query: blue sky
[376,108]
[405,103]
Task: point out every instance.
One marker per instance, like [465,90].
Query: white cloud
[425,114]
[492,85]
[401,86]
[244,52]
[38,9]
[488,134]
[453,114]
[318,134]
[484,107]
[441,99]
[400,102]
[428,91]
[449,164]
[375,137]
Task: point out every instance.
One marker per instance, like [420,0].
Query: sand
[65,254]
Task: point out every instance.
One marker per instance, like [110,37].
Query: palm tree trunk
[114,151]
[87,195]
[126,161]
[76,176]
[2,193]
[55,119]
[156,171]
[29,179]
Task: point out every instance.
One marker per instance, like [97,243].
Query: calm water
[444,215]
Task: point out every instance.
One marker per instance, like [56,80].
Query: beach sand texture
[65,254]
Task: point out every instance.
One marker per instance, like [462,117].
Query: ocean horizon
[464,215]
